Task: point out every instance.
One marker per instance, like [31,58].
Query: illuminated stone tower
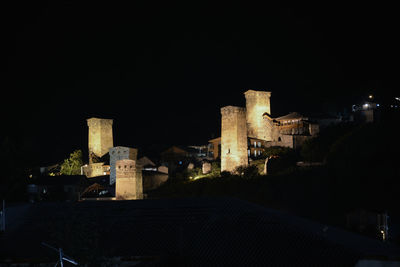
[129,182]
[258,103]
[100,137]
[233,138]
[119,153]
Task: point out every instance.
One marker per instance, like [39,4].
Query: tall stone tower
[233,138]
[119,153]
[258,103]
[129,182]
[100,137]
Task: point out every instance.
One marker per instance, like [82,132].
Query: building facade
[129,181]
[233,138]
[120,153]
[100,137]
[257,104]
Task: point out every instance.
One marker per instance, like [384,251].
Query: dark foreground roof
[195,232]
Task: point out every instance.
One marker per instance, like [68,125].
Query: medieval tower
[233,138]
[100,137]
[129,181]
[257,104]
[119,153]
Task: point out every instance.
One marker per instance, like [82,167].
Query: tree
[72,165]
[317,148]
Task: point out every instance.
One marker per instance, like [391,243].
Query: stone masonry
[233,138]
[119,153]
[258,103]
[100,137]
[129,181]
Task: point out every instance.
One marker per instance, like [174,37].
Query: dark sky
[163,72]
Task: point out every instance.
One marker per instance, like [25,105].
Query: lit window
[255,144]
[259,144]
[255,153]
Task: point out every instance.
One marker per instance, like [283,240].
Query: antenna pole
[61,257]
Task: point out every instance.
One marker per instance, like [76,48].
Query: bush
[247,172]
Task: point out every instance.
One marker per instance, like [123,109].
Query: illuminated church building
[245,132]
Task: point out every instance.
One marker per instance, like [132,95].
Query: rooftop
[201,231]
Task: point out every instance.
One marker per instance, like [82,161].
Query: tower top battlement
[232,109]
[250,93]
[96,121]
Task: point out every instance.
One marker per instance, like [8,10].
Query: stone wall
[119,153]
[298,140]
[291,141]
[233,138]
[258,103]
[100,137]
[129,181]
[95,169]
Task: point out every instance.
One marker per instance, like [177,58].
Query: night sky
[163,72]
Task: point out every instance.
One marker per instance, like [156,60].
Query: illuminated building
[119,153]
[246,132]
[233,138]
[129,181]
[100,137]
[257,104]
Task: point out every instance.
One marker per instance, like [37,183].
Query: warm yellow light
[371,96]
